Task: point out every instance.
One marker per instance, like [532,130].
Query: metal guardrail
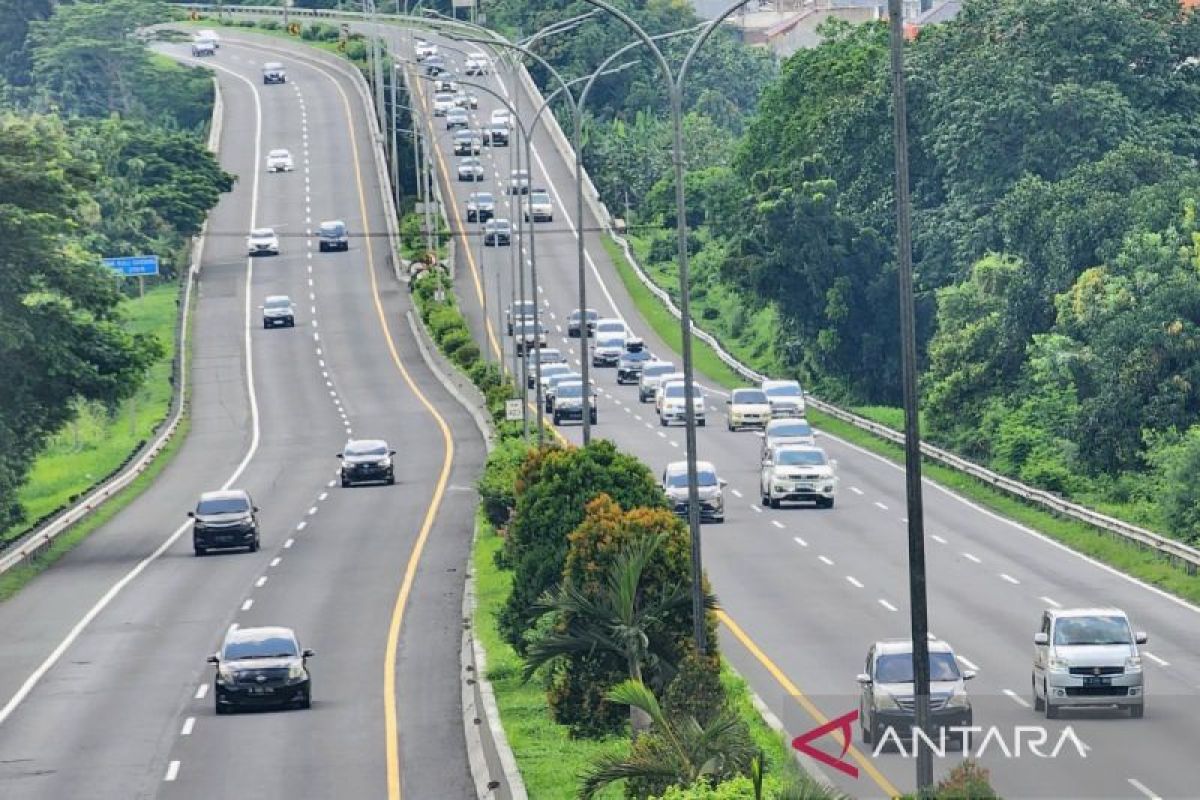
[39,540]
[1176,551]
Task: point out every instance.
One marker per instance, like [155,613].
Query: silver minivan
[1087,657]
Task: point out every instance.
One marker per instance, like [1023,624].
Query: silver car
[1087,657]
[652,373]
[709,486]
[786,431]
[887,691]
[262,242]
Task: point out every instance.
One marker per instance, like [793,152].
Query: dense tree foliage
[100,155]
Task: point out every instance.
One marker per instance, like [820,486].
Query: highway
[804,592]
[104,689]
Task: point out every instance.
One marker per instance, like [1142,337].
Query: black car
[481,207]
[332,235]
[497,233]
[224,519]
[261,668]
[496,136]
[574,329]
[367,461]
[629,365]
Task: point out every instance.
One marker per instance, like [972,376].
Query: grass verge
[1130,559]
[549,759]
[99,439]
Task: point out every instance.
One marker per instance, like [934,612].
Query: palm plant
[680,751]
[624,619]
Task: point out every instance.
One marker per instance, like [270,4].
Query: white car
[652,371]
[477,64]
[442,103]
[709,486]
[1087,657]
[262,242]
[748,408]
[466,99]
[279,161]
[211,35]
[424,49]
[797,473]
[663,380]
[607,349]
[471,169]
[500,116]
[278,309]
[786,398]
[539,208]
[203,47]
[610,325]
[674,404]
[518,181]
[786,431]
[457,118]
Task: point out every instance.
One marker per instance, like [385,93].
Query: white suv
[797,472]
[786,398]
[673,407]
[1087,657]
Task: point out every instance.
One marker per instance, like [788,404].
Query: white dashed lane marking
[261,582]
[288,543]
[777,523]
[188,724]
[201,690]
[799,541]
[172,771]
[1050,602]
[970,557]
[825,560]
[937,538]
[853,581]
[887,605]
[856,490]
[248,604]
[1009,578]
[1016,698]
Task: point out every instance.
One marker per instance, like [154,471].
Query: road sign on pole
[133,266]
[513,410]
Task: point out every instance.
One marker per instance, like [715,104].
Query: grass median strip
[1142,564]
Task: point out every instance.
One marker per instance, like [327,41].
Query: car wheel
[253,548]
[266,324]
[662,422]
[291,323]
[557,419]
[391,479]
[345,482]
[1038,703]
[703,423]
[774,502]
[1051,711]
[730,426]
[200,551]
[306,703]
[593,419]
[220,709]
[1137,711]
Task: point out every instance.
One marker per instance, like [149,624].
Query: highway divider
[39,540]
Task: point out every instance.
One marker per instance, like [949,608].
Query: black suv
[367,461]
[481,206]
[224,519]
[259,667]
[332,235]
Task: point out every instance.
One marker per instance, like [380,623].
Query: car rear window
[267,647]
[222,505]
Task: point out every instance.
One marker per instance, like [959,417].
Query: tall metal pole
[537,364]
[518,134]
[585,360]
[918,601]
[395,144]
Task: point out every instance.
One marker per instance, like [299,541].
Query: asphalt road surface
[805,592]
[104,688]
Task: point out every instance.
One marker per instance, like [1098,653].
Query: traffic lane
[376,394]
[884,509]
[122,696]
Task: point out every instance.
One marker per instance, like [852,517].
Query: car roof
[745,389]
[264,632]
[263,232]
[1097,611]
[787,422]
[225,494]
[332,222]
[781,382]
[277,297]
[681,466]
[366,443]
[900,645]
[281,151]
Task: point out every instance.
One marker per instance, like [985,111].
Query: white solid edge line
[1016,698]
[1141,787]
[36,676]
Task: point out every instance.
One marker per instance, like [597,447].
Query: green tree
[553,489]
[60,334]
[678,751]
[1176,461]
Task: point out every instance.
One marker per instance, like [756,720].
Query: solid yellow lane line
[460,226]
[391,728]
[803,701]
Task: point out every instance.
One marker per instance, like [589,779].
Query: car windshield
[791,430]
[334,229]
[898,668]
[801,458]
[749,396]
[223,505]
[784,390]
[550,370]
[609,327]
[522,308]
[676,390]
[367,449]
[279,154]
[565,377]
[637,355]
[469,162]
[520,176]
[618,343]
[443,97]
[570,390]
[547,354]
[1092,631]
[704,477]
[652,370]
[539,197]
[278,302]
[262,233]
[267,647]
[483,198]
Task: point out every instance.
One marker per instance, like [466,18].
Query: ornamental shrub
[497,485]
[453,339]
[467,355]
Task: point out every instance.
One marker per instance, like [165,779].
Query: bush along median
[585,610]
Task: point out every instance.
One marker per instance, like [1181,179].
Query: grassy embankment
[100,439]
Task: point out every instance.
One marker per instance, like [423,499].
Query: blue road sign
[133,265]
